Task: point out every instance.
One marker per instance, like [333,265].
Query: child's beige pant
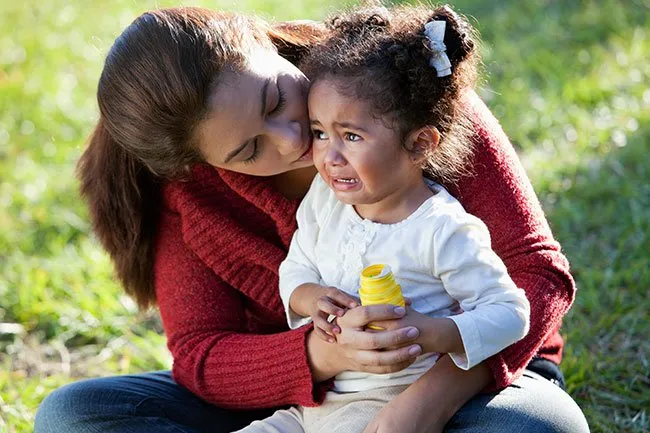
[340,413]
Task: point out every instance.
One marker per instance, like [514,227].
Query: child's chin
[346,198]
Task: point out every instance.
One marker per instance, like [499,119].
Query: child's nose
[333,156]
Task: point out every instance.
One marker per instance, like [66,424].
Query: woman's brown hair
[152,94]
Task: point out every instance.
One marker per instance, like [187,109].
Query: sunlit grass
[568,80]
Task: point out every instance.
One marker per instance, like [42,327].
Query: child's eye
[351,136]
[319,135]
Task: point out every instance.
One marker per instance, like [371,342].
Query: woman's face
[258,121]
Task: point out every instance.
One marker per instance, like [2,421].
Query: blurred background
[567,79]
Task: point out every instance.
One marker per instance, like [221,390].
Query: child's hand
[330,302]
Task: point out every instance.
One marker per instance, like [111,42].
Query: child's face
[357,154]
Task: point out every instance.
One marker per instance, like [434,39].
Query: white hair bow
[434,31]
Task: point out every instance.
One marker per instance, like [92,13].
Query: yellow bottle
[378,286]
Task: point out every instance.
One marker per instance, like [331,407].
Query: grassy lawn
[567,79]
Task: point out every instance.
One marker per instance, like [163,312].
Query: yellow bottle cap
[378,286]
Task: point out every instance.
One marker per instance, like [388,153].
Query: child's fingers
[341,298]
[326,305]
[329,328]
[336,329]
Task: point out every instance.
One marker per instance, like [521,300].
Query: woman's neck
[294,184]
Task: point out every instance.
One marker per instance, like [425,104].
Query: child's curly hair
[380,55]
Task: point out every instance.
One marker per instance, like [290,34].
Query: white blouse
[440,255]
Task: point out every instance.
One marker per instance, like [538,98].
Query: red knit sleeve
[500,193]
[214,357]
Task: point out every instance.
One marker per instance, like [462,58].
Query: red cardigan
[223,235]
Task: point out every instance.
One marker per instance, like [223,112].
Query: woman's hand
[437,334]
[360,350]
[376,351]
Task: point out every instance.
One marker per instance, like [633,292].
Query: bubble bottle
[378,286]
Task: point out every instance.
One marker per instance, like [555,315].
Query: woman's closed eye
[255,153]
[282,101]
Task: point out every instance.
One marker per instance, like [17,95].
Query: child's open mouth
[345,183]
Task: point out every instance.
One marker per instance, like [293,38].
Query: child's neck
[399,205]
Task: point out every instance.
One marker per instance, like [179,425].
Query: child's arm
[495,312]
[299,269]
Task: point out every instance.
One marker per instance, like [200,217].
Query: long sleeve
[500,194]
[215,355]
[495,312]
[300,265]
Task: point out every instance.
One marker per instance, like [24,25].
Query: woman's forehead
[234,89]
[233,85]
[235,107]
[265,62]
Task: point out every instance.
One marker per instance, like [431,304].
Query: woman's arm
[215,355]
[219,359]
[500,194]
[430,402]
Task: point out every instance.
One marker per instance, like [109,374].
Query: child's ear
[422,142]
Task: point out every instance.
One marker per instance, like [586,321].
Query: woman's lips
[307,156]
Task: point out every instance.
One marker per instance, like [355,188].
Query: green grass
[568,80]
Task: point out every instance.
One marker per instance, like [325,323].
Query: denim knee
[56,412]
[532,404]
[556,411]
[75,407]
[136,403]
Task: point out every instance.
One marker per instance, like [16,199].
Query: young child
[387,120]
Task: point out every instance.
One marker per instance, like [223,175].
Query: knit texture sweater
[222,236]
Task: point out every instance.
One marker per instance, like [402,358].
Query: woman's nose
[288,137]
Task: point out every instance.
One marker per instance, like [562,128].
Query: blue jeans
[154,402]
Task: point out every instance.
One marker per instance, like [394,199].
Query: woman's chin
[302,163]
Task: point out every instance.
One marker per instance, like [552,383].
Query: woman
[193,176]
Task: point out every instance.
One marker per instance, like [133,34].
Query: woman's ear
[421,142]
